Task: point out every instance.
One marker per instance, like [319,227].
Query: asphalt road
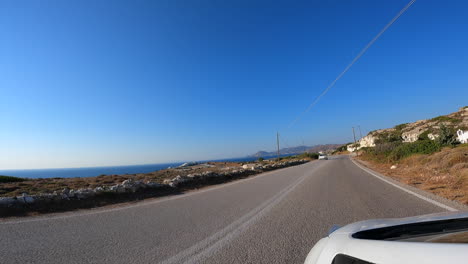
[275,217]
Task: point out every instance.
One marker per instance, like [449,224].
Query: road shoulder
[439,201]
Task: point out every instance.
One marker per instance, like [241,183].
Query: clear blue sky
[89,83]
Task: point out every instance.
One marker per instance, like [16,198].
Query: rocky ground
[60,194]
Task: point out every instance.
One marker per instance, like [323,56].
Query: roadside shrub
[417,147]
[386,148]
[381,151]
[389,136]
[313,155]
[5,179]
[446,136]
[308,155]
[341,148]
[424,135]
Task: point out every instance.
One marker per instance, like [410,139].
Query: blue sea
[96,171]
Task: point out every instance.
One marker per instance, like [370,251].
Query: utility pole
[277,145]
[354,135]
[355,143]
[360,134]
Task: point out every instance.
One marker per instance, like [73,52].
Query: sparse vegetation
[342,148]
[424,135]
[304,155]
[390,147]
[401,126]
[395,151]
[419,147]
[5,179]
[444,173]
[308,155]
[389,136]
[445,119]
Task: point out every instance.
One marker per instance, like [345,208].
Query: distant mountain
[324,148]
[297,150]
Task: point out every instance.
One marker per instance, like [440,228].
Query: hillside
[419,130]
[427,154]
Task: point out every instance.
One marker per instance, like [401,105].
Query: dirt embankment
[443,173]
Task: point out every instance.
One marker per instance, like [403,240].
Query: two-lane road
[274,217]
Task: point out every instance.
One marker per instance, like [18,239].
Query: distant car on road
[437,238]
[323,157]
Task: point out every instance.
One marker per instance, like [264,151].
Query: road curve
[275,217]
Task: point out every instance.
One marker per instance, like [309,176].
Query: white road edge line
[404,189]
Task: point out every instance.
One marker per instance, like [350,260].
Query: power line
[402,11]
[360,133]
[354,136]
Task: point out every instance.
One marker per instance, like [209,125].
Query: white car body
[322,157]
[341,241]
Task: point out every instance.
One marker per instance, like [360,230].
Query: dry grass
[444,173]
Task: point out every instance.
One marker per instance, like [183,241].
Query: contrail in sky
[402,11]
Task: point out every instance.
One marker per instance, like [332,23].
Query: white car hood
[378,223]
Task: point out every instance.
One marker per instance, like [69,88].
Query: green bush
[389,136]
[446,136]
[313,155]
[5,179]
[387,148]
[418,147]
[308,155]
[342,148]
[401,126]
[424,135]
[260,159]
[445,119]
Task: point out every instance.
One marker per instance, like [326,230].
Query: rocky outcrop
[367,141]
[462,136]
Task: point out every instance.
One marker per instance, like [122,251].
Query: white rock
[432,136]
[393,167]
[128,182]
[462,136]
[99,189]
[167,181]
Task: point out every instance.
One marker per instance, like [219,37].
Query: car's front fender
[315,252]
